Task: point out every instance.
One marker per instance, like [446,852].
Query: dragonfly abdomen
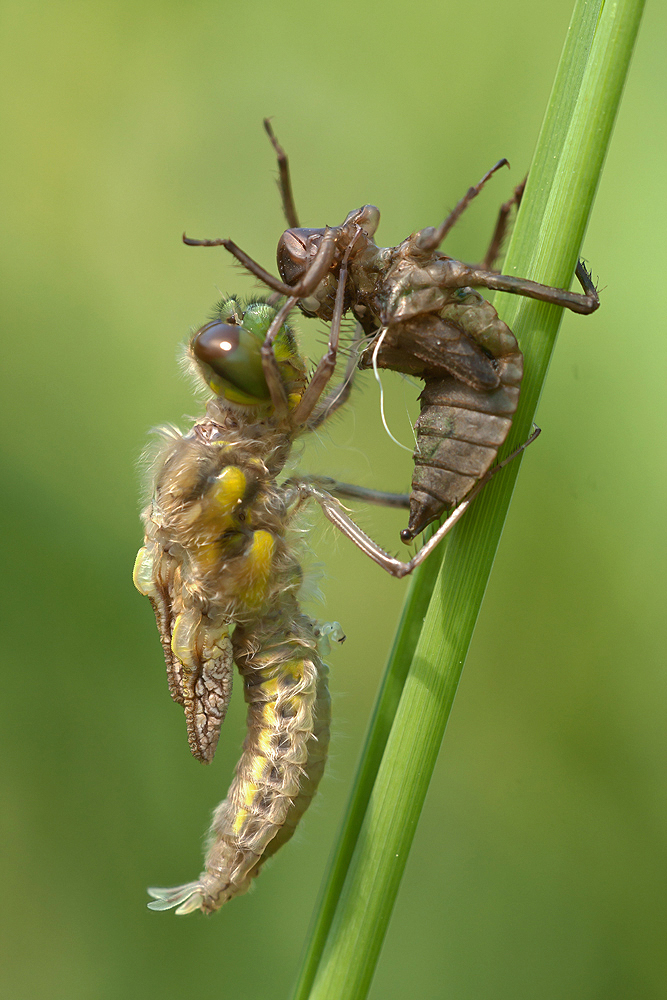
[285,685]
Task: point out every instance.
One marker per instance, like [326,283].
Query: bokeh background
[539,865]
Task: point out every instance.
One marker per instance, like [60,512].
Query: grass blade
[573,142]
[384,712]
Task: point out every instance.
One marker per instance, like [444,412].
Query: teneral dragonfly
[221,568]
[222,573]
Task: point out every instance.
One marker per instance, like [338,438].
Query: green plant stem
[557,204]
[384,712]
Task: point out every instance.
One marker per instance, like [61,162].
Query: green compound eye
[230,358]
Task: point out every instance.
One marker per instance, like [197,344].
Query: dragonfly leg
[284,181]
[586,303]
[499,233]
[429,239]
[341,393]
[334,512]
[350,491]
[326,367]
[319,268]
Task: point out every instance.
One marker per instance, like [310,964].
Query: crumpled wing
[198,652]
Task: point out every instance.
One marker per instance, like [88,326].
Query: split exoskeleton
[423,316]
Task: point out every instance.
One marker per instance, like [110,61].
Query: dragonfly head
[227,353]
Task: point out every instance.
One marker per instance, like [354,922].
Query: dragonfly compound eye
[229,357]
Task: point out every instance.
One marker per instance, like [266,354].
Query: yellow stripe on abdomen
[273,772]
[285,685]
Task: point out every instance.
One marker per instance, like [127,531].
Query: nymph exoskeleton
[425,318]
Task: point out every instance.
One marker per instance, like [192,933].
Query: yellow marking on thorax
[259,566]
[214,514]
[216,507]
[229,489]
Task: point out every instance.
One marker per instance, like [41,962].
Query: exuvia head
[297,247]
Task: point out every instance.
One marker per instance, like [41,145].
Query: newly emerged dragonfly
[221,569]
[223,576]
[425,318]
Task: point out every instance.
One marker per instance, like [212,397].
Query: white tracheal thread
[376,373]
[417,449]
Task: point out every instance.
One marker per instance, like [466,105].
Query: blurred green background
[539,865]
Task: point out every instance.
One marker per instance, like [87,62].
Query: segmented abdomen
[285,685]
[461,426]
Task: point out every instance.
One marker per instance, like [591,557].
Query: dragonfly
[423,315]
[221,569]
[220,566]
